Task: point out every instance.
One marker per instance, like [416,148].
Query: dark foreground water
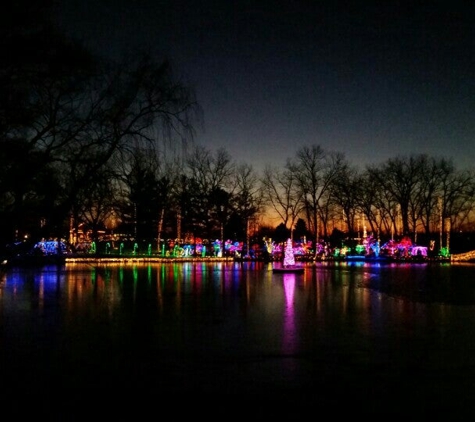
[226,340]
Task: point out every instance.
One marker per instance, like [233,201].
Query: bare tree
[98,205]
[458,199]
[316,171]
[210,174]
[399,178]
[247,196]
[282,193]
[348,191]
[373,204]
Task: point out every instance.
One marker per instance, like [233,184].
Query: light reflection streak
[289,334]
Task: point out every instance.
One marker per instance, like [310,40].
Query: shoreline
[31,260]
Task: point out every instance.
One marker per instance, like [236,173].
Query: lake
[227,339]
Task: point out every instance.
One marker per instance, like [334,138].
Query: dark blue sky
[371,79]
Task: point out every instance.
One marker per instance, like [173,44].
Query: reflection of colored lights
[176,271]
[289,329]
[289,288]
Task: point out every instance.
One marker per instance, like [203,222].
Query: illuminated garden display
[371,248]
[287,253]
[288,263]
[51,247]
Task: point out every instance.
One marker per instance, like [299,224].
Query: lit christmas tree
[289,259]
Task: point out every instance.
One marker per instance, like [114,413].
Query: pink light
[289,259]
[289,288]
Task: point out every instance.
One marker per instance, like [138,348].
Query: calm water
[207,338]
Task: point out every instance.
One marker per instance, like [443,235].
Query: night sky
[373,80]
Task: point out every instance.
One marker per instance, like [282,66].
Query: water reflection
[289,334]
[238,329]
